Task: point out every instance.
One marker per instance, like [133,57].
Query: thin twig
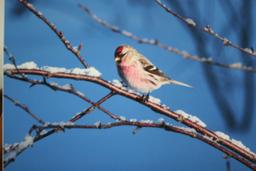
[207,29]
[53,27]
[12,58]
[25,108]
[76,117]
[155,42]
[93,106]
[70,90]
[77,93]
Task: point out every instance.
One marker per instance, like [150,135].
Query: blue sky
[115,149]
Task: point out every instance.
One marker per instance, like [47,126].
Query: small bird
[138,72]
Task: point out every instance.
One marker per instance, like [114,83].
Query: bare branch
[155,42]
[94,105]
[53,27]
[207,29]
[12,58]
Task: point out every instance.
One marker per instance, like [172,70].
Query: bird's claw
[144,97]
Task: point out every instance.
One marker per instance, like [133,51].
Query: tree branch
[60,34]
[155,107]
[155,42]
[196,129]
[207,29]
[25,108]
[68,89]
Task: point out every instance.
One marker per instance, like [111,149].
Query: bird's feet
[145,97]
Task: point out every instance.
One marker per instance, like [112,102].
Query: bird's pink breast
[130,72]
[135,77]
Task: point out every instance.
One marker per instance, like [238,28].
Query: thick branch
[139,124]
[156,107]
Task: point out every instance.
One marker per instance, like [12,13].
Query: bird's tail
[180,83]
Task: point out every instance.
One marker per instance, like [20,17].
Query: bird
[139,73]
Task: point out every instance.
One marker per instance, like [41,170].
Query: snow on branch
[155,42]
[90,71]
[191,117]
[191,121]
[12,150]
[207,29]
[238,143]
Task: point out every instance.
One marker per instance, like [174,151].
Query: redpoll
[138,72]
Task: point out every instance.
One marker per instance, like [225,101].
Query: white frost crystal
[222,135]
[117,83]
[191,117]
[154,100]
[191,22]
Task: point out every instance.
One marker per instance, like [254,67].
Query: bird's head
[120,52]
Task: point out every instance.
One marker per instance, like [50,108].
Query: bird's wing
[151,68]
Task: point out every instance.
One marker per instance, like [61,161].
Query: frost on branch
[222,135]
[154,100]
[133,120]
[117,83]
[28,65]
[236,65]
[248,50]
[91,71]
[147,121]
[14,149]
[97,124]
[122,118]
[192,130]
[236,142]
[190,22]
[161,120]
[191,117]
[62,123]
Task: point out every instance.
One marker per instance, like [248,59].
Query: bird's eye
[122,54]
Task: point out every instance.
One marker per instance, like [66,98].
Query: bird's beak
[118,59]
